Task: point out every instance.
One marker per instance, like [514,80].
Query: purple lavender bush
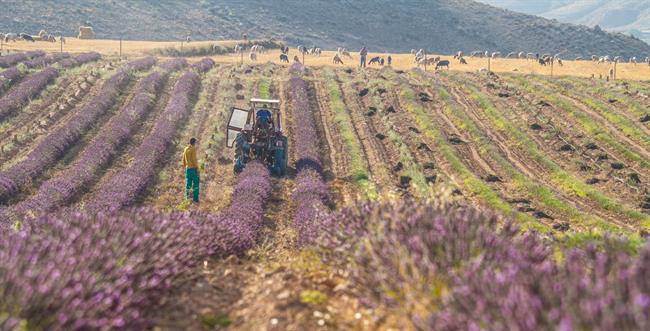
[13,59]
[9,77]
[60,140]
[43,61]
[174,64]
[60,189]
[31,86]
[101,271]
[80,59]
[204,65]
[457,268]
[311,192]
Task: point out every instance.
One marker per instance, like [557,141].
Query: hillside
[443,26]
[628,16]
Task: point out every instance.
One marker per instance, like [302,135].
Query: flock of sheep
[420,58]
[42,36]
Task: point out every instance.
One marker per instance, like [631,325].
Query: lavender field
[413,200]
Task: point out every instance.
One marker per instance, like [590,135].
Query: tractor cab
[256,134]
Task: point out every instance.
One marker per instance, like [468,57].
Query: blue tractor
[256,134]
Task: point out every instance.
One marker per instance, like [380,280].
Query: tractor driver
[264,118]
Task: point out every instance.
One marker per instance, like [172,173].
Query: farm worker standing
[191,166]
[363,52]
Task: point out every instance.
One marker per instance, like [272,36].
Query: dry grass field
[630,71]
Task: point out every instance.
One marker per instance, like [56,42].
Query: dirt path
[338,156]
[374,153]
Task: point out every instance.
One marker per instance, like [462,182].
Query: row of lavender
[456,268]
[105,271]
[13,59]
[123,188]
[311,192]
[63,138]
[60,189]
[33,84]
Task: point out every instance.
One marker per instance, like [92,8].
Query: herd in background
[42,36]
[420,58]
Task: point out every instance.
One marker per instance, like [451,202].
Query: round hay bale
[86,32]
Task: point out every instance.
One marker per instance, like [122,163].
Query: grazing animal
[594,58]
[317,51]
[618,59]
[530,56]
[284,50]
[462,60]
[238,48]
[429,61]
[511,55]
[633,59]
[476,54]
[579,58]
[253,56]
[27,37]
[375,59]
[487,54]
[542,61]
[443,63]
[188,39]
[521,55]
[559,62]
[346,53]
[337,59]
[302,49]
[496,54]
[284,58]
[413,51]
[11,37]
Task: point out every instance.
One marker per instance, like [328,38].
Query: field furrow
[73,88]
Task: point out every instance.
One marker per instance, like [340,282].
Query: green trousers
[192,183]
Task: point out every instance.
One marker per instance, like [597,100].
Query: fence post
[552,63]
[489,64]
[615,62]
[303,58]
[61,42]
[181,46]
[120,48]
[425,61]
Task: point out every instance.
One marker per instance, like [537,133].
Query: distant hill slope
[629,16]
[442,26]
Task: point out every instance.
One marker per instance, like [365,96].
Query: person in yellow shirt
[191,166]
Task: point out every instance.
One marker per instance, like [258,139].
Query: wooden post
[241,53]
[489,64]
[552,62]
[615,62]
[120,48]
[2,44]
[425,61]
[181,46]
[303,58]
[61,41]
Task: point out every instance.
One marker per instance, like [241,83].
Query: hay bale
[86,32]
